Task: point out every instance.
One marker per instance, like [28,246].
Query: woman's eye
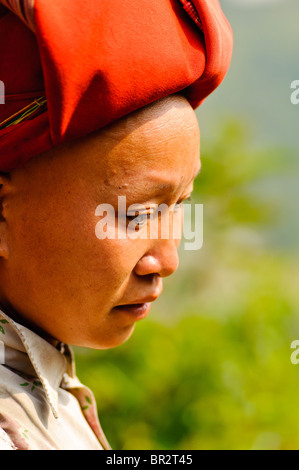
[179,205]
[139,220]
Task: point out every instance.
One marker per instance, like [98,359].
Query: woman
[99,112]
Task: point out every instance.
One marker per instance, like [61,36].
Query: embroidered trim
[192,12]
[29,111]
[23,9]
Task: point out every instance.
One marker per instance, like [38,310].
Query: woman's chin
[110,341]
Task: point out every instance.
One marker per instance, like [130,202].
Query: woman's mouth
[138,311]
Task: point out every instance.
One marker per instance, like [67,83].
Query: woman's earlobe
[4,252]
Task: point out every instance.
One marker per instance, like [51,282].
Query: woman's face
[59,275]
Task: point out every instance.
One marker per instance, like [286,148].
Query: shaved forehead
[147,123]
[168,108]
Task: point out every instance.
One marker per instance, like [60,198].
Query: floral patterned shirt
[43,405]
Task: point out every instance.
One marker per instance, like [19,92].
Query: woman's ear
[4,189]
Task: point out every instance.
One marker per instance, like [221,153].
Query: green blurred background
[210,367]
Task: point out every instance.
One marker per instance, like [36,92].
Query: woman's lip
[138,311]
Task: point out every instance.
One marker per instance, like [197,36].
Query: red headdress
[70,67]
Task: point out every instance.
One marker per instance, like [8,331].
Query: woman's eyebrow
[169,185]
[153,186]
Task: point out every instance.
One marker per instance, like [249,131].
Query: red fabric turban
[70,67]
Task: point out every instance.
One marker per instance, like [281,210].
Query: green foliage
[210,367]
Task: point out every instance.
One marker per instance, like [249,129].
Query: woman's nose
[162,259]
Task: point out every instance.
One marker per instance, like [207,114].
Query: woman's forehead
[172,111]
[155,158]
[152,135]
[156,169]
[157,146]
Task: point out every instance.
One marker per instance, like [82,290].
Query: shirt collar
[36,356]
